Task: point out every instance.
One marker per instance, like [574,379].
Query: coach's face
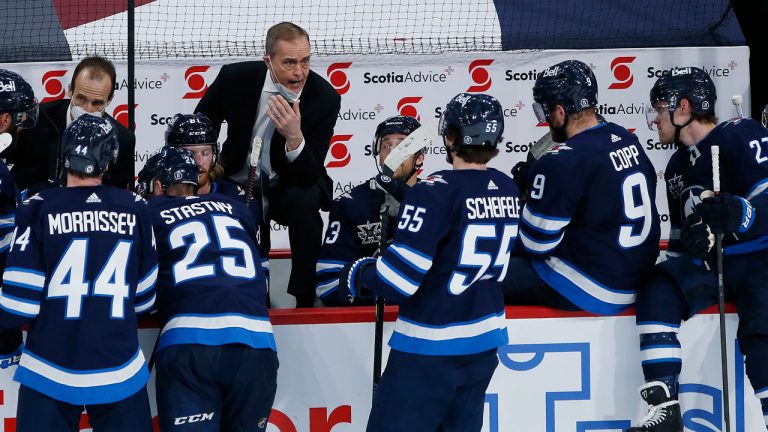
[290,63]
[91,93]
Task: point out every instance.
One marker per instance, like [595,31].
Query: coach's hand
[287,120]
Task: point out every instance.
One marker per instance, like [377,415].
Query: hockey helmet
[394,125]
[690,83]
[478,118]
[178,166]
[18,99]
[571,84]
[90,144]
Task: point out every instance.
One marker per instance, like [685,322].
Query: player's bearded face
[203,155]
[290,63]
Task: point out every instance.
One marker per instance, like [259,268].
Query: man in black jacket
[293,110]
[36,155]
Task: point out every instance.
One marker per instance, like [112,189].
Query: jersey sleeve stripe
[326,288]
[762,393]
[591,287]
[539,247]
[146,305]
[545,224]
[18,306]
[757,189]
[24,278]
[6,241]
[148,282]
[395,279]
[324,266]
[7,220]
[417,260]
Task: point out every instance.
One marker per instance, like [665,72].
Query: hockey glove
[389,185]
[696,237]
[520,176]
[726,214]
[351,280]
[11,344]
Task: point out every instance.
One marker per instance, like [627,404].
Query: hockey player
[450,251]
[147,182]
[81,266]
[18,110]
[354,226]
[683,110]
[195,133]
[216,355]
[590,228]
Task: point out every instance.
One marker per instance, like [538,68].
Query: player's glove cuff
[350,279]
[726,213]
[389,185]
[8,360]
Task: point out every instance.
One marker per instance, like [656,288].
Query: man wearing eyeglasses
[293,110]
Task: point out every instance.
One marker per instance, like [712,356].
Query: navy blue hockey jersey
[354,230]
[81,266]
[743,172]
[211,290]
[9,196]
[591,224]
[450,252]
[232,190]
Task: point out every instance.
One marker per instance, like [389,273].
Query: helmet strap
[449,151]
[678,128]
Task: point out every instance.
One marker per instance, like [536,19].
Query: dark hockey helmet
[478,118]
[689,83]
[192,129]
[178,166]
[393,125]
[570,84]
[18,99]
[90,144]
[151,171]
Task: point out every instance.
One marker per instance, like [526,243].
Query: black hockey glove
[351,280]
[11,344]
[520,176]
[696,237]
[726,214]
[389,185]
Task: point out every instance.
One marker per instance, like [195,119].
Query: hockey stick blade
[414,142]
[542,146]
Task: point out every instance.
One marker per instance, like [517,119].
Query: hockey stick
[721,295]
[378,329]
[414,142]
[542,146]
[737,100]
[253,166]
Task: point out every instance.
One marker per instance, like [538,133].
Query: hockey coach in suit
[37,157]
[293,110]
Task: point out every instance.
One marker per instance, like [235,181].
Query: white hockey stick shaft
[737,100]
[253,166]
[721,297]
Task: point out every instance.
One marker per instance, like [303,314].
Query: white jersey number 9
[634,188]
